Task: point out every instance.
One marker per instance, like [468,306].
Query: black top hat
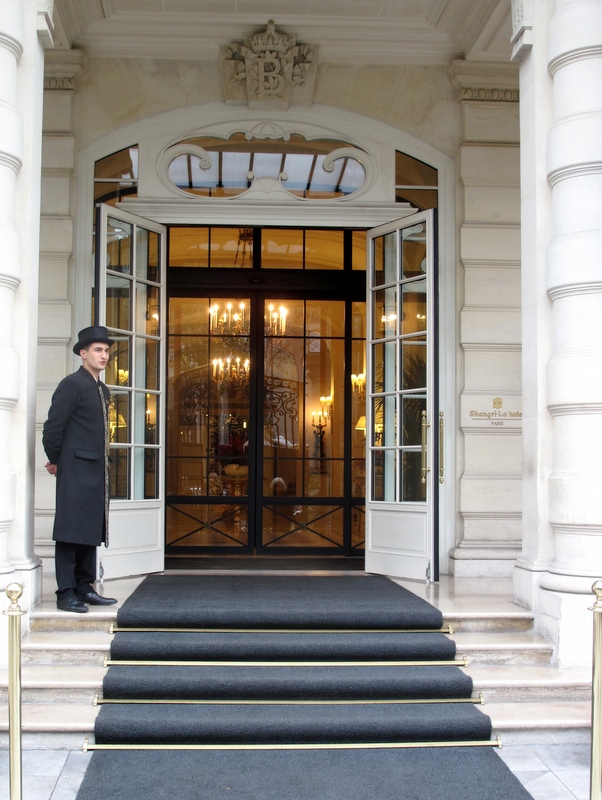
[95,333]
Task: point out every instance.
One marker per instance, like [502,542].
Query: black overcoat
[74,439]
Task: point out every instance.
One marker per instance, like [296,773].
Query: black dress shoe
[94,599]
[71,603]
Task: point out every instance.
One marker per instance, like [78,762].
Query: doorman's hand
[51,468]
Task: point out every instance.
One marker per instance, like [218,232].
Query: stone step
[91,647]
[71,647]
[51,620]
[65,725]
[99,619]
[489,621]
[541,723]
[56,683]
[530,683]
[55,726]
[503,647]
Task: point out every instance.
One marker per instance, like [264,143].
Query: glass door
[210,374]
[262,426]
[129,300]
[402,416]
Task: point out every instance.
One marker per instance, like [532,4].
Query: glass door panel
[208,422]
[262,450]
[129,300]
[403,402]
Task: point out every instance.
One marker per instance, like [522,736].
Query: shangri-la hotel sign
[484,412]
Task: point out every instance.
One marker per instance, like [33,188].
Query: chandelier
[230,320]
[231,373]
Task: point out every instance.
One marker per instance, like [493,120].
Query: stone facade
[522,239]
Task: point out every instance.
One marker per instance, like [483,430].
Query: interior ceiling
[346,31]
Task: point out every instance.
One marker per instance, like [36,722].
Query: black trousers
[75,566]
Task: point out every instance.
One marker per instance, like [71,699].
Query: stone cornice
[486,82]
[61,68]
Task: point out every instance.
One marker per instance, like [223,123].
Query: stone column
[11,160]
[574,286]
[530,49]
[24,30]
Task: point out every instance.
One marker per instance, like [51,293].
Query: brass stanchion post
[595,788]
[14,613]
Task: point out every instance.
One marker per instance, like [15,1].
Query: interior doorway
[265,438]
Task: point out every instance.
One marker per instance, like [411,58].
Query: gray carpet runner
[253,674]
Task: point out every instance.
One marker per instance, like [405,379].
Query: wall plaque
[485,411]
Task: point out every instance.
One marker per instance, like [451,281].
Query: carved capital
[269,70]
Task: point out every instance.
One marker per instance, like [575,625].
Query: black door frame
[348,285]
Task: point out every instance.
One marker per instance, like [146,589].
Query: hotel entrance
[266,404]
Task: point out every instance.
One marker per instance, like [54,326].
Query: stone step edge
[490,676]
[555,714]
[107,616]
[504,717]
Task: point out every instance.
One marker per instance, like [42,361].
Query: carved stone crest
[269,70]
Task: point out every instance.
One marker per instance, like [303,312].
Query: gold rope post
[14,613]
[595,789]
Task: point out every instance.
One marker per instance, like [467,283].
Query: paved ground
[549,772]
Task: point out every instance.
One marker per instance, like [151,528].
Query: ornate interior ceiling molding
[269,70]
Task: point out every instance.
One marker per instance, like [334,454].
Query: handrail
[595,787]
[14,614]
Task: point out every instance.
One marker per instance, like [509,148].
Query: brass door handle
[424,467]
[441,447]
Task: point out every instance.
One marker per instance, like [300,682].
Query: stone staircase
[528,700]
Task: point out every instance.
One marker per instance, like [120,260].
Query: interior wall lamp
[358,385]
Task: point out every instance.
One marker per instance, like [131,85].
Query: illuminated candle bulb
[214,367]
[247,363]
[283,313]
